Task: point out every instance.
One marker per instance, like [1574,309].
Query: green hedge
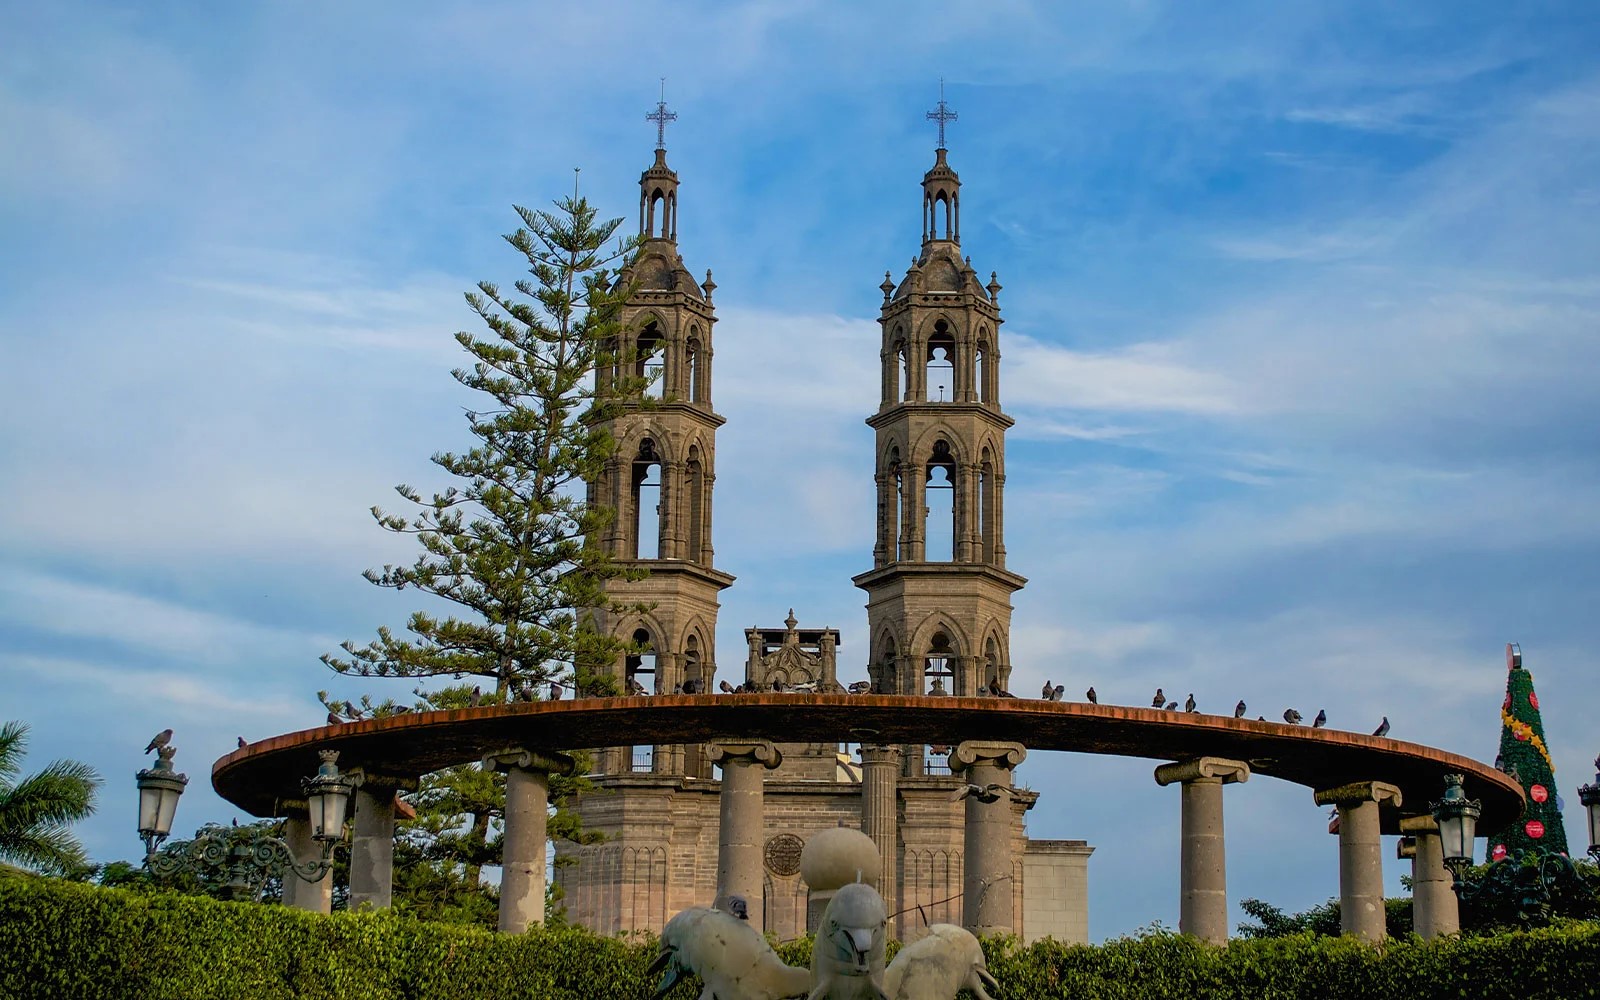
[66,941]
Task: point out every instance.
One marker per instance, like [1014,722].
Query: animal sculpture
[938,967]
[847,959]
[731,959]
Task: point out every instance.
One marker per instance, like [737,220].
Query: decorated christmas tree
[1524,756]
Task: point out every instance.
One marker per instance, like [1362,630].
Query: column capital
[546,761]
[746,752]
[1419,824]
[360,777]
[1208,769]
[1357,792]
[872,753]
[999,753]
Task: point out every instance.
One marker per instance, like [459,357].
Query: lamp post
[1457,817]
[249,864]
[1589,795]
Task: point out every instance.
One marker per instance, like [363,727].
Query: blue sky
[1301,309]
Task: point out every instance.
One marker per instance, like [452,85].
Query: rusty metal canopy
[261,775]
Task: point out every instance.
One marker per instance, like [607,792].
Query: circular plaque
[782,854]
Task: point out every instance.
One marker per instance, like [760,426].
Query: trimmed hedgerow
[67,941]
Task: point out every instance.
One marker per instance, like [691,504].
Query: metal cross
[661,116]
[942,115]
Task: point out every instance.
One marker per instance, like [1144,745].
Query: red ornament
[1505,706]
[1534,828]
[1533,699]
[1538,793]
[1521,734]
[1499,853]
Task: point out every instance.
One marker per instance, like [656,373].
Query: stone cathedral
[938,602]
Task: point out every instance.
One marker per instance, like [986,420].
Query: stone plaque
[782,854]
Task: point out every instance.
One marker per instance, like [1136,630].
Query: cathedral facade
[938,602]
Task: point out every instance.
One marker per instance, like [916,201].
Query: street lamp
[1457,817]
[249,864]
[1589,795]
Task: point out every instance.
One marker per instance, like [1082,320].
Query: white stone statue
[939,966]
[731,959]
[847,958]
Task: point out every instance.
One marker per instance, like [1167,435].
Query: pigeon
[1321,719]
[997,691]
[159,741]
[527,693]
[1383,727]
[634,687]
[242,743]
[1057,692]
[1292,717]
[725,687]
[1188,705]
[1238,710]
[1514,774]
[692,686]
[1047,690]
[476,698]
[1172,706]
[860,687]
[779,685]
[555,692]
[1094,699]
[334,720]
[1159,700]
[738,907]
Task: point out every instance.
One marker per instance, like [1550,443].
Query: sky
[1301,305]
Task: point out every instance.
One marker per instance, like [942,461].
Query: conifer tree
[507,542]
[1525,756]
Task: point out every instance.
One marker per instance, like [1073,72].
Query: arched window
[893,505]
[883,669]
[985,498]
[939,385]
[896,378]
[695,485]
[639,677]
[692,668]
[691,362]
[938,666]
[985,394]
[656,199]
[649,364]
[991,666]
[646,502]
[940,486]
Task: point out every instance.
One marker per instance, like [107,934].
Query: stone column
[298,893]
[742,822]
[987,857]
[1434,907]
[1203,878]
[372,846]
[1361,910]
[527,811]
[880,814]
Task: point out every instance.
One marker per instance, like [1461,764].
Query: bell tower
[659,481]
[939,593]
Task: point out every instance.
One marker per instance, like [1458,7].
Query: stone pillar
[1434,908]
[1361,910]
[527,811]
[298,893]
[742,821]
[1203,878]
[880,814]
[988,863]
[372,846]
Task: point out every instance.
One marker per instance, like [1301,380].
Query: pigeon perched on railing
[1321,719]
[1383,727]
[1057,692]
[1188,705]
[1172,706]
[1292,717]
[1045,694]
[725,687]
[1094,699]
[635,688]
[1239,709]
[1159,700]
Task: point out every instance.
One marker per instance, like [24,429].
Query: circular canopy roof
[259,776]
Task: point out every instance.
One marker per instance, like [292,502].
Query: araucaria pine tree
[506,543]
[1525,756]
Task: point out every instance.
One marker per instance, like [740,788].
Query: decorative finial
[942,115]
[791,621]
[661,116]
[994,286]
[708,285]
[887,286]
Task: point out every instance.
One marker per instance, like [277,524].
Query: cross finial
[942,114]
[661,116]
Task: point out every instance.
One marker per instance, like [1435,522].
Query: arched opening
[646,497]
[657,199]
[693,672]
[985,395]
[893,501]
[985,498]
[882,669]
[991,666]
[650,363]
[938,666]
[896,375]
[940,504]
[692,361]
[695,484]
[639,677]
[939,384]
